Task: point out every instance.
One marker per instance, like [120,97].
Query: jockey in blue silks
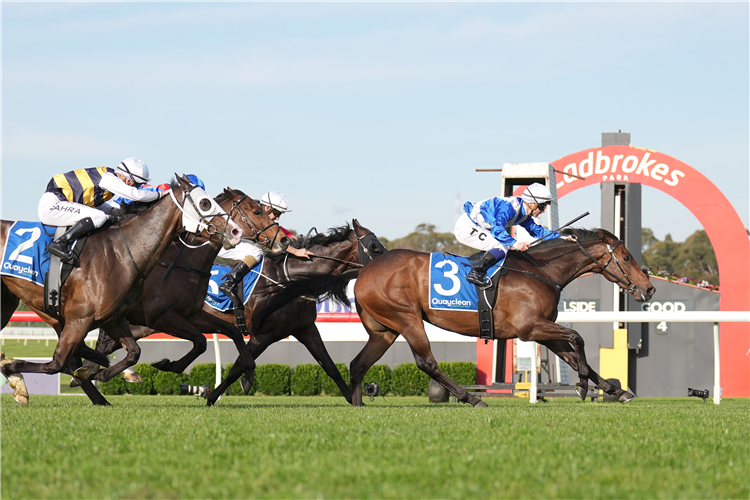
[485,224]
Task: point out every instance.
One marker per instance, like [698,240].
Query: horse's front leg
[71,336]
[206,322]
[548,331]
[565,352]
[120,332]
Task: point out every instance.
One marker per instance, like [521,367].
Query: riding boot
[478,275]
[233,277]
[61,246]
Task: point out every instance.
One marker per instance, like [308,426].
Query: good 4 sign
[709,205]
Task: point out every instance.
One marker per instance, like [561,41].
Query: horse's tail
[314,285]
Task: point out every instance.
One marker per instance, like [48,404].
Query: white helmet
[276,201]
[537,193]
[134,169]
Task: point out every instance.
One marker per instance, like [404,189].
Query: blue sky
[375,111]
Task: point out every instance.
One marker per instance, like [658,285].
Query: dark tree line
[693,258]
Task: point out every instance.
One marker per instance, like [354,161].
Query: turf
[319,447]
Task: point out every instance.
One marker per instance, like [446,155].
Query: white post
[717,365]
[217,353]
[532,375]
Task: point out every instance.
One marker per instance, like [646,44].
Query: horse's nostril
[236,232]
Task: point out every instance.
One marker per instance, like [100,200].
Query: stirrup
[61,251]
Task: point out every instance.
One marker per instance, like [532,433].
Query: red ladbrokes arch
[709,205]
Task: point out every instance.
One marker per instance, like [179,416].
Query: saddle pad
[26,255]
[449,290]
[218,300]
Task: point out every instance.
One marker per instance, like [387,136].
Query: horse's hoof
[132,376]
[481,404]
[20,393]
[74,383]
[85,372]
[162,364]
[246,385]
[581,392]
[627,396]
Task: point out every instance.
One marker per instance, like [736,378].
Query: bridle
[257,230]
[203,223]
[627,284]
[612,258]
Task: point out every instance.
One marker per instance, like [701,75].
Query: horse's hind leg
[420,347]
[88,387]
[310,338]
[381,338]
[565,351]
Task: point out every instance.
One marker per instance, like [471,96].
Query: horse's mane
[583,235]
[224,195]
[334,235]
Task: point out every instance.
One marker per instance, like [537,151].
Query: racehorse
[108,281]
[392,299]
[341,249]
[173,294]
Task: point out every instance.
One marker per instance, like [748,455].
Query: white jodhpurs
[242,250]
[474,236]
[55,212]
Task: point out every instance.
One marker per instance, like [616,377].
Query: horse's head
[616,264]
[256,223]
[202,215]
[368,245]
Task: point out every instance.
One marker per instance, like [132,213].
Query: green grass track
[61,447]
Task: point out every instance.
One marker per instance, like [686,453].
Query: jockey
[79,197]
[484,226]
[274,204]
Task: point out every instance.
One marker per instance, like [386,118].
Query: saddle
[59,270]
[486,298]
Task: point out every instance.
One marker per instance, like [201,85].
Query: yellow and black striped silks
[81,186]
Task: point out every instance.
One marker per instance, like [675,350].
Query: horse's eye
[626,258]
[256,212]
[205,204]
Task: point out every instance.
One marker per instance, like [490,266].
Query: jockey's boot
[61,246]
[478,275]
[233,277]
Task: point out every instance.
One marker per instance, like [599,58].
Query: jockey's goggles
[276,213]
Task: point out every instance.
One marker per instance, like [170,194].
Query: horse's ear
[356,224]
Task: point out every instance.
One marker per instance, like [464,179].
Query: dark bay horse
[392,298]
[108,281]
[174,292]
[337,252]
[341,249]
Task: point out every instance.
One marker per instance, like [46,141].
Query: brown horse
[174,292]
[108,281]
[392,298]
[341,249]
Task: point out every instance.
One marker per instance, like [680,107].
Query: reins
[140,273]
[629,284]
